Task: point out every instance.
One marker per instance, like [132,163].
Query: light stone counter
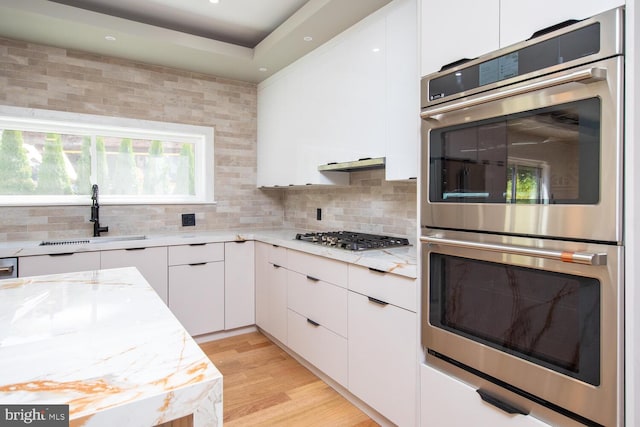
[401,261]
[104,343]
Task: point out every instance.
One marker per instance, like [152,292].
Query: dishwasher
[8,268]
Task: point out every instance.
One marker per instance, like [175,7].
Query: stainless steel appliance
[353,241]
[528,140]
[8,268]
[521,223]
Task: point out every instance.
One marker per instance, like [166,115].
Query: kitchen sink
[63,242]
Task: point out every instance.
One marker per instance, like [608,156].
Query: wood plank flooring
[264,386]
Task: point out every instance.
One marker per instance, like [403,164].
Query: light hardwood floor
[264,386]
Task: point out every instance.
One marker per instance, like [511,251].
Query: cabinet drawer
[196,253]
[277,255]
[322,348]
[448,401]
[318,267]
[387,287]
[58,263]
[317,300]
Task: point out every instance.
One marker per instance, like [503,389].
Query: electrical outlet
[188,220]
[319,214]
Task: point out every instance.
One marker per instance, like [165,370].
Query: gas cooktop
[352,241]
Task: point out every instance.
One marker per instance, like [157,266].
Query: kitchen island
[104,343]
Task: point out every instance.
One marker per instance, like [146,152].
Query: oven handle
[573,257]
[583,76]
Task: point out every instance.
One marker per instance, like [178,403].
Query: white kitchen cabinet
[196,286]
[239,284]
[318,267]
[447,401]
[383,357]
[519,19]
[320,346]
[317,322]
[271,290]
[196,296]
[354,97]
[402,91]
[452,30]
[58,263]
[150,261]
[392,288]
[322,302]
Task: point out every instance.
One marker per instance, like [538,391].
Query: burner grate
[352,241]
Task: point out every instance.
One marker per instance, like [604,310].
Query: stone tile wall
[369,204]
[51,78]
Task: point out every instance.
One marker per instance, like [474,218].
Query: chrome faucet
[95,213]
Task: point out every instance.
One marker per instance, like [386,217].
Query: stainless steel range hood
[356,165]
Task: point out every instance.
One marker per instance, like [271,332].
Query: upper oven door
[539,158]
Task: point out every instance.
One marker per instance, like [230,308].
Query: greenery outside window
[53,158]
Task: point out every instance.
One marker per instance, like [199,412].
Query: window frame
[50,121]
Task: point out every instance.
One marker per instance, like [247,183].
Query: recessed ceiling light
[262,69]
[110,38]
[307,38]
[214,1]
[375,49]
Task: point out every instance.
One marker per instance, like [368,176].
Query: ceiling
[246,40]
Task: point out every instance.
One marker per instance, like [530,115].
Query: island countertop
[104,343]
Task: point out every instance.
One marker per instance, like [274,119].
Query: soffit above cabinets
[236,39]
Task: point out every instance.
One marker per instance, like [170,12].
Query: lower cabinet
[196,286]
[322,347]
[317,323]
[271,290]
[58,263]
[446,401]
[383,357]
[150,261]
[239,284]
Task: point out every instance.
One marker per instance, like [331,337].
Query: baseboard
[200,339]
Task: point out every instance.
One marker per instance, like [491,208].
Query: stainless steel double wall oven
[521,223]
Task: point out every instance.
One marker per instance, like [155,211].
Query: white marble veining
[401,261]
[104,343]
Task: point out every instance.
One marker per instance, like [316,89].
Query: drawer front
[322,348]
[320,301]
[196,296]
[196,253]
[387,287]
[58,263]
[325,269]
[277,255]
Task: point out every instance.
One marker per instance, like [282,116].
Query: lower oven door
[539,319]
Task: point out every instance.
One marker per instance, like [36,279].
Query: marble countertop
[401,261]
[104,343]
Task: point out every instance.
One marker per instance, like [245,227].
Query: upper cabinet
[453,30]
[354,97]
[403,91]
[519,19]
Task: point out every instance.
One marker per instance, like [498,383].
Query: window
[530,178]
[53,158]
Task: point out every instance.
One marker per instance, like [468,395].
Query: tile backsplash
[369,204]
[50,78]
